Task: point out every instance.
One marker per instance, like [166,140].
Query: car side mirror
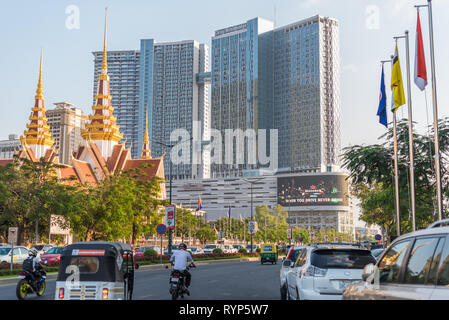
[45,262]
[283,258]
[287,263]
[368,271]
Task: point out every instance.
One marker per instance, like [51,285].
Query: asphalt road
[236,281]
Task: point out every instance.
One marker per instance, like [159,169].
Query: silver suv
[415,266]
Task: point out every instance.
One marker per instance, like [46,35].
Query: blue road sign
[161,228]
[378,237]
[301,239]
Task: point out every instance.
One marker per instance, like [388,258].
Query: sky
[366,37]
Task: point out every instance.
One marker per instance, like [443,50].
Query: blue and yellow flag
[382,110]
[397,85]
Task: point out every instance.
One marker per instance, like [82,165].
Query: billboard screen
[316,190]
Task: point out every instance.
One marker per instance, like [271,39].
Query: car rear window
[341,258]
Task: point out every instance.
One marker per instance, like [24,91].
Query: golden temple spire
[38,132]
[105,55]
[102,124]
[40,86]
[146,152]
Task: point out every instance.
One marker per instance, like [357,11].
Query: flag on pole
[382,110]
[199,204]
[397,85]
[420,60]
[229,213]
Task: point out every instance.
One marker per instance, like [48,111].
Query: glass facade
[285,78]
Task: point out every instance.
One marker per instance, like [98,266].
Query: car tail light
[61,293]
[105,294]
[313,271]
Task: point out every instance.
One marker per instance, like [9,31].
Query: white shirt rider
[181,257]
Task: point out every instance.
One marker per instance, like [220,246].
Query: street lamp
[170,188]
[252,182]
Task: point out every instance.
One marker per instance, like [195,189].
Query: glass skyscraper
[173,86]
[284,78]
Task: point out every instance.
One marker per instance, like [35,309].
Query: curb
[53,276]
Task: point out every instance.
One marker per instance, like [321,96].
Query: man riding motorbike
[33,264]
[181,256]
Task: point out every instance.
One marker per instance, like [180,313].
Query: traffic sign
[251,227]
[301,239]
[161,229]
[326,238]
[170,215]
[289,233]
[12,235]
[378,237]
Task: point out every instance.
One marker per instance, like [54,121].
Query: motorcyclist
[33,264]
[181,256]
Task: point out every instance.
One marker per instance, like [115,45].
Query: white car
[209,248]
[227,248]
[20,254]
[195,250]
[323,271]
[287,263]
[414,267]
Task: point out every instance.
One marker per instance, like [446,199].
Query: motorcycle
[30,283]
[177,283]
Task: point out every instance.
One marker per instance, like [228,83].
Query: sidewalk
[53,275]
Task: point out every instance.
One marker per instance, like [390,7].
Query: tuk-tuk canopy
[101,248]
[95,260]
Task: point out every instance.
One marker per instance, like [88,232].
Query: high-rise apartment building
[173,87]
[66,123]
[124,73]
[284,78]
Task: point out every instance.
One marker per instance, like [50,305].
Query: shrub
[217,250]
[243,250]
[150,254]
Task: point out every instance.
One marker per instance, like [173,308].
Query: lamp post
[252,182]
[170,146]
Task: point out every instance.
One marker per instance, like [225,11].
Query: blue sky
[26,26]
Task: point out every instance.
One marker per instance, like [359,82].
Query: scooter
[29,284]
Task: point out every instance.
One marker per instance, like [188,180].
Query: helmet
[183,245]
[32,252]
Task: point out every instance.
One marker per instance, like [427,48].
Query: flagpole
[435,114]
[396,175]
[410,134]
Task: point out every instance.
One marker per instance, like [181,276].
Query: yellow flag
[396,82]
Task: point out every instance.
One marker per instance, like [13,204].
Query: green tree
[206,235]
[372,172]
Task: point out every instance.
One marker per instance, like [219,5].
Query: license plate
[344,284]
[21,277]
[174,279]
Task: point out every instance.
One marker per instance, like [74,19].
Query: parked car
[323,271]
[209,248]
[42,248]
[287,262]
[141,251]
[19,254]
[195,250]
[414,266]
[227,248]
[53,254]
[255,247]
[173,247]
[238,247]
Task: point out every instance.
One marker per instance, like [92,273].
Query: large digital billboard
[313,190]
